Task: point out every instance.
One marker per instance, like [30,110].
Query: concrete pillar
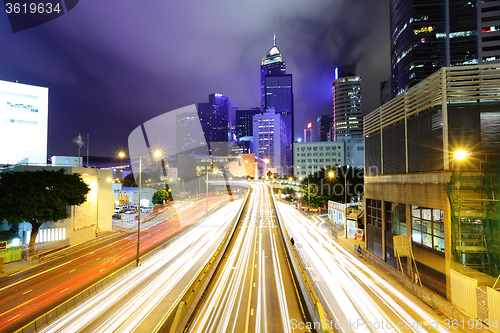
[447,248]
[409,264]
[383,230]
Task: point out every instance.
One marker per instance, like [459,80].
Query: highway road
[352,293]
[29,294]
[126,304]
[252,289]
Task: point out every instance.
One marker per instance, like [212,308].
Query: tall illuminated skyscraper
[272,64]
[427,35]
[346,92]
[277,95]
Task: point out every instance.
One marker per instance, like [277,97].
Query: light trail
[254,268]
[353,292]
[162,273]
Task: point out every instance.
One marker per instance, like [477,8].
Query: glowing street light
[460,155]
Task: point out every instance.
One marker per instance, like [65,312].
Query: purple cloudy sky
[111,65]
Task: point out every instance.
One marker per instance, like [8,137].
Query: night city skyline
[110,69]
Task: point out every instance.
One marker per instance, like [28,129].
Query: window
[327,154]
[428,227]
[395,218]
[374,212]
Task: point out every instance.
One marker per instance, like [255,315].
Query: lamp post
[156,154]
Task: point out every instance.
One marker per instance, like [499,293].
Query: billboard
[23,123]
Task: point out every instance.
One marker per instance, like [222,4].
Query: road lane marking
[71,271]
[27,291]
[251,312]
[63,290]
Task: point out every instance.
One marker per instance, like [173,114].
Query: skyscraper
[346,92]
[427,35]
[244,122]
[269,134]
[217,121]
[277,95]
[189,134]
[323,125]
[272,64]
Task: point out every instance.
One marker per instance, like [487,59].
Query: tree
[129,181]
[37,197]
[161,195]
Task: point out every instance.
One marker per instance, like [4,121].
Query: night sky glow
[111,65]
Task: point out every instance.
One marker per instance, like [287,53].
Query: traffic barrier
[305,289]
[194,292]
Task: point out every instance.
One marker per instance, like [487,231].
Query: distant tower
[346,92]
[189,132]
[277,94]
[272,64]
[217,121]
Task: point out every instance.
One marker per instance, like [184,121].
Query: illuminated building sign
[423,30]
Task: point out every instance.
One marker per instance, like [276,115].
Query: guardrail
[59,311]
[199,283]
[311,301]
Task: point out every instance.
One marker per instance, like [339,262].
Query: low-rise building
[310,157]
[85,221]
[129,196]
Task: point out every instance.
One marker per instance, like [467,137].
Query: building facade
[311,157]
[86,220]
[323,125]
[217,120]
[346,92]
[272,64]
[427,35]
[189,134]
[277,94]
[354,150]
[412,186]
[23,123]
[269,135]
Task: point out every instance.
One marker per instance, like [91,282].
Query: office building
[189,134]
[323,125]
[346,93]
[269,134]
[244,122]
[427,35]
[272,64]
[23,123]
[413,149]
[277,94]
[311,157]
[218,123]
[354,150]
[309,133]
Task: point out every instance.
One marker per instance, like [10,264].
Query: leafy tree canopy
[161,195]
[39,196]
[129,181]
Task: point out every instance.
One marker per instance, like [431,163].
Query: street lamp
[156,154]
